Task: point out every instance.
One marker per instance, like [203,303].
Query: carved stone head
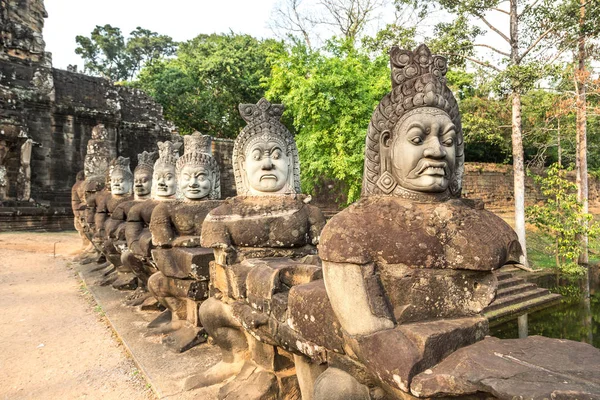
[121,178]
[99,132]
[165,173]
[415,141]
[198,175]
[142,175]
[97,158]
[265,156]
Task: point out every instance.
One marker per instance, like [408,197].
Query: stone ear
[385,139]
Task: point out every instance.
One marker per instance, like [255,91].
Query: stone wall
[57,110]
[493,183]
[222,150]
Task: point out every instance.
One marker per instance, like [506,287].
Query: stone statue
[121,184]
[268,230]
[115,227]
[182,280]
[24,177]
[96,188]
[4,184]
[97,158]
[78,206]
[408,268]
[138,256]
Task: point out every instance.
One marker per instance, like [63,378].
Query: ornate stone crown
[121,164]
[263,120]
[145,161]
[418,80]
[197,151]
[168,153]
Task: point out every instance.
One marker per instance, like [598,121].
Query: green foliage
[562,218]
[106,52]
[330,96]
[455,39]
[391,35]
[201,88]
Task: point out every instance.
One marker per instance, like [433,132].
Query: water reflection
[577,317]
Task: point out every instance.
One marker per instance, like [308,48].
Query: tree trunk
[519,174]
[559,145]
[517,135]
[582,178]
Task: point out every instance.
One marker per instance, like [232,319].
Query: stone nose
[434,149]
[267,163]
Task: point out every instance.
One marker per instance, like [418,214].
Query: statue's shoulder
[353,234]
[223,207]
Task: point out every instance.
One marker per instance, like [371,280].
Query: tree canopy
[201,87]
[106,52]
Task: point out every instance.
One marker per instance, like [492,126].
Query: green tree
[330,96]
[106,52]
[560,218]
[201,87]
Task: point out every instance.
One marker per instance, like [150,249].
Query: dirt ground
[54,342]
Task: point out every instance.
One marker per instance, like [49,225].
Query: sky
[180,19]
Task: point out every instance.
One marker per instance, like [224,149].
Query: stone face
[531,368]
[452,234]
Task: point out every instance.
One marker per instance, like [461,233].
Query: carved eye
[448,142]
[256,155]
[416,140]
[276,155]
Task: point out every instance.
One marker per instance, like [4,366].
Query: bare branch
[530,6]
[492,48]
[535,43]
[500,10]
[288,18]
[502,35]
[476,61]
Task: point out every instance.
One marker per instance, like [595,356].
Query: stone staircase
[515,296]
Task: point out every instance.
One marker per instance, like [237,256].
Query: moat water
[577,317]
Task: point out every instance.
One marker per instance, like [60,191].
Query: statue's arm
[161,227]
[114,224]
[133,228]
[357,298]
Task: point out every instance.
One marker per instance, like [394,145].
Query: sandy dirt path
[54,343]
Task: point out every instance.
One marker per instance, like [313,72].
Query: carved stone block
[425,294]
[310,314]
[397,355]
[183,262]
